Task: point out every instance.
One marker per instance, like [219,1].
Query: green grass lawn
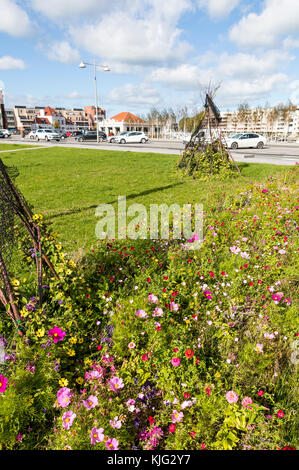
[8,146]
[66,185]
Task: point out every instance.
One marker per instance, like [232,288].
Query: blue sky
[161,53]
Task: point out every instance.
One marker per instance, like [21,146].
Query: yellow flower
[80,341]
[71,352]
[68,272]
[40,333]
[63,382]
[24,312]
[15,283]
[217,375]
[73,340]
[58,246]
[72,263]
[80,380]
[88,362]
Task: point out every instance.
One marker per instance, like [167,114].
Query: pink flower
[115,423]
[112,444]
[208,294]
[195,237]
[91,402]
[246,402]
[141,314]
[231,397]
[116,383]
[280,414]
[68,419]
[96,435]
[3,383]
[63,397]
[131,345]
[93,375]
[235,249]
[57,334]
[158,312]
[174,307]
[153,299]
[177,417]
[172,428]
[175,361]
[278,296]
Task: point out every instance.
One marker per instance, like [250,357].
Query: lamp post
[106,69]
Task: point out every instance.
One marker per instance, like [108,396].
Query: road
[274,153]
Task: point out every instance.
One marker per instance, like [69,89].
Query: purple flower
[91,402]
[68,419]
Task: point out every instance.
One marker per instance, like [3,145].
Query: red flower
[280,414]
[212,274]
[175,350]
[172,428]
[99,348]
[203,446]
[223,273]
[187,395]
[260,393]
[208,391]
[144,357]
[189,353]
[149,279]
[151,419]
[192,434]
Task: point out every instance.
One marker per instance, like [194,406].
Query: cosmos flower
[231,397]
[68,419]
[96,435]
[116,383]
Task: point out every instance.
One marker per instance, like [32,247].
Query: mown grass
[4,146]
[66,185]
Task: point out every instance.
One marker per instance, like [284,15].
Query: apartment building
[273,122]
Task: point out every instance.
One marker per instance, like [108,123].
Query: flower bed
[144,345]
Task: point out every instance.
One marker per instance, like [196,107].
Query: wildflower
[63,397]
[96,435]
[280,414]
[175,361]
[141,313]
[153,299]
[91,402]
[208,391]
[40,333]
[68,419]
[174,307]
[246,402]
[116,383]
[260,393]
[19,437]
[144,357]
[177,417]
[158,312]
[259,348]
[112,444]
[235,249]
[231,397]
[131,345]
[3,383]
[172,428]
[57,334]
[116,423]
[80,380]
[63,382]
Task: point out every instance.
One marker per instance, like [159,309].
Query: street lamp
[105,68]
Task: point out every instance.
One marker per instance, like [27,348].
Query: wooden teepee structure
[207,134]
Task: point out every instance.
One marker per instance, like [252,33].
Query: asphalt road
[276,153]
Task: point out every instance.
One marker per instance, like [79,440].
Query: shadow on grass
[130,196]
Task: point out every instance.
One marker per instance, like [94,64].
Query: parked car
[32,135]
[5,132]
[63,135]
[112,138]
[47,134]
[246,141]
[2,135]
[130,137]
[91,135]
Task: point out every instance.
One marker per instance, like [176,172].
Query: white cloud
[8,63]
[183,77]
[63,52]
[218,8]
[13,19]
[278,18]
[135,95]
[68,9]
[145,36]
[291,43]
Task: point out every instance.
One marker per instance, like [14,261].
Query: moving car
[246,141]
[130,137]
[47,134]
[91,135]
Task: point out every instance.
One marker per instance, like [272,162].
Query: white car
[130,137]
[5,132]
[246,141]
[46,134]
[112,138]
[32,135]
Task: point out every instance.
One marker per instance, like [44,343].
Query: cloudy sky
[161,53]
